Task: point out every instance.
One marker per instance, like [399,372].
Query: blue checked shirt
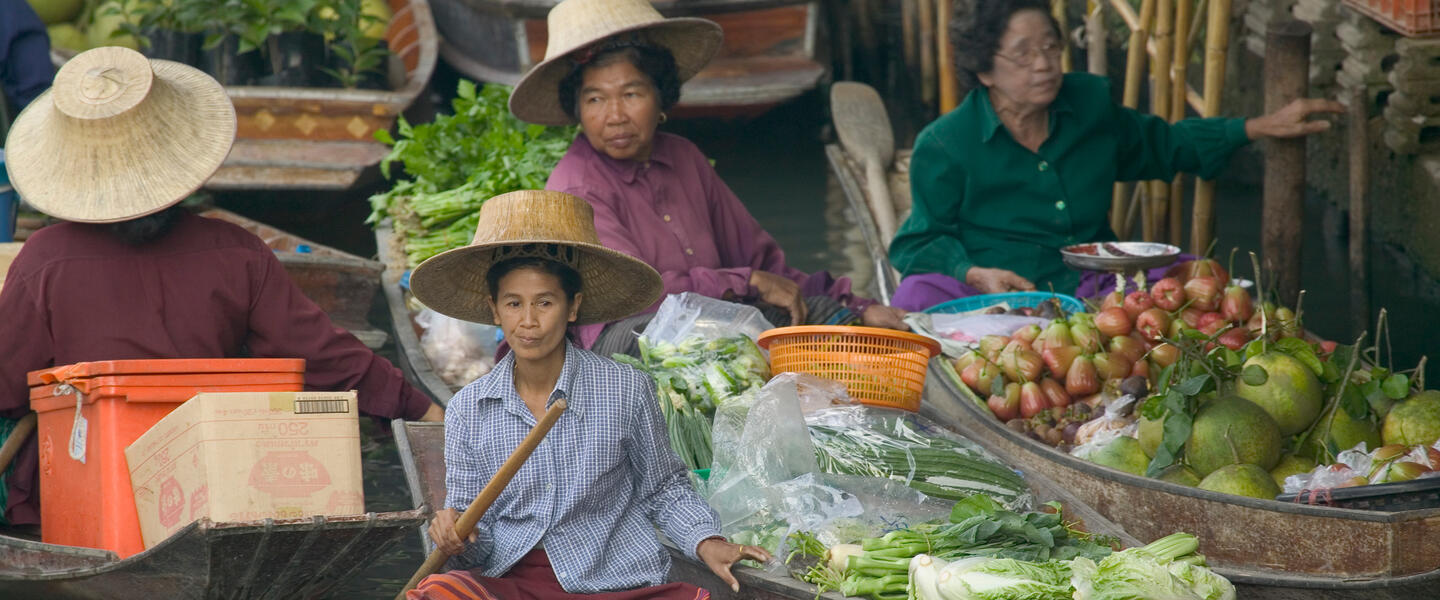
[593,491]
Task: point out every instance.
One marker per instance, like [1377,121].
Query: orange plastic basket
[1412,18]
[880,367]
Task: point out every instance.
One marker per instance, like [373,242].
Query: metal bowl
[1126,257]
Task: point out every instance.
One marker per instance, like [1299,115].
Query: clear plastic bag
[687,315]
[910,449]
[459,351]
[1117,420]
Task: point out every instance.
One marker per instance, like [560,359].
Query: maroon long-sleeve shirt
[205,289]
[676,214]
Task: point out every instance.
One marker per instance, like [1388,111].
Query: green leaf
[1396,387]
[1179,419]
[1193,385]
[1254,349]
[1354,404]
[997,386]
[1254,375]
[1195,334]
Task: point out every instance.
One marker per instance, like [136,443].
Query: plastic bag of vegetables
[905,447]
[689,315]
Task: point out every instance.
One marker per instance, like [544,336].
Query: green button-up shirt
[979,198]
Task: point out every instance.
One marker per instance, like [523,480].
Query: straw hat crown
[574,25]
[118,137]
[541,224]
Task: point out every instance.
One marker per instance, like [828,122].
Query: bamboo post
[1057,10]
[17,439]
[1179,68]
[927,51]
[1134,66]
[1287,77]
[1096,36]
[949,87]
[1160,106]
[1359,123]
[1217,42]
[908,39]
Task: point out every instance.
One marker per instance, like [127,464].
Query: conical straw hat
[544,224]
[577,24]
[119,136]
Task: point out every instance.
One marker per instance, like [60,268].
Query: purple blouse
[675,214]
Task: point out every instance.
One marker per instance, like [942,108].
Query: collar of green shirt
[990,122]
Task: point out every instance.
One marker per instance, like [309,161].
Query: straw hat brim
[99,172]
[614,285]
[693,41]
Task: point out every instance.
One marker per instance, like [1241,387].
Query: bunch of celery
[692,378]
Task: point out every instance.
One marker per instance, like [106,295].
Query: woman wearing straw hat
[615,66]
[112,148]
[579,517]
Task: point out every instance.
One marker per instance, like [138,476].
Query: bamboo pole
[1057,10]
[1286,76]
[1096,36]
[927,51]
[1160,106]
[1217,42]
[909,41]
[1358,123]
[949,87]
[1134,66]
[1179,68]
[1194,35]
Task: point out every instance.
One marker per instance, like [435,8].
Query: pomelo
[52,12]
[1180,474]
[66,35]
[1414,421]
[1344,431]
[1149,433]
[1231,430]
[1291,393]
[1121,453]
[1290,464]
[107,21]
[1241,480]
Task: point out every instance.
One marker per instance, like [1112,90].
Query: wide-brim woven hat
[542,224]
[119,136]
[574,25]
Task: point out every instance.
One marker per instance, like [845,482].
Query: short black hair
[976,27]
[655,61]
[569,278]
[135,232]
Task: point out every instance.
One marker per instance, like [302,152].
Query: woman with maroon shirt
[616,67]
[111,149]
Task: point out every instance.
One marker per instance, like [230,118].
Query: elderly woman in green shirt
[1027,162]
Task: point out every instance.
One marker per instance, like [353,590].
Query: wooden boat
[421,446]
[324,138]
[410,357]
[343,284]
[296,558]
[768,55]
[1272,549]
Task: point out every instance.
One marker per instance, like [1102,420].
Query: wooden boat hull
[299,558]
[410,357]
[768,56]
[1271,549]
[344,285]
[422,453]
[324,138]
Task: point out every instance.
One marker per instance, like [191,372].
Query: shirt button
[1060,205]
[667,218]
[1044,166]
[690,251]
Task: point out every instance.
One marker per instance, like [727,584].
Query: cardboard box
[248,456]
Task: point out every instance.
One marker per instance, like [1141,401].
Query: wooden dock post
[1358,124]
[1286,75]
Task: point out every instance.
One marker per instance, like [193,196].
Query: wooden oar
[466,523]
[16,440]
[865,133]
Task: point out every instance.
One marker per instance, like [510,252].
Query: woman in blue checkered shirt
[580,516]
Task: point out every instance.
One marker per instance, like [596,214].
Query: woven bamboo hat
[118,137]
[575,25]
[543,224]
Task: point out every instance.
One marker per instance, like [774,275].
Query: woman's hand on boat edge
[719,554]
[996,281]
[1293,119]
[442,532]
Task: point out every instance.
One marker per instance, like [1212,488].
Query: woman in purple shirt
[655,195]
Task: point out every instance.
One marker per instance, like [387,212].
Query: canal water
[776,165]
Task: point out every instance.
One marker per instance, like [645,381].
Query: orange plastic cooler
[85,492]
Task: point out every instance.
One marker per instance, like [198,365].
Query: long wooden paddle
[466,523]
[16,440]
[864,131]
